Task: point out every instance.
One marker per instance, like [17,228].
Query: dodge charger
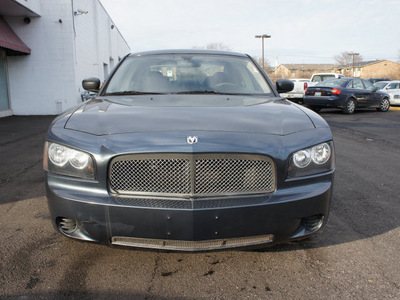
[188,150]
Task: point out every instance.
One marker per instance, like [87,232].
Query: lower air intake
[191,245]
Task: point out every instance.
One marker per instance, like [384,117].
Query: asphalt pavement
[356,256]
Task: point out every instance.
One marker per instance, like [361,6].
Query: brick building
[301,70]
[372,69]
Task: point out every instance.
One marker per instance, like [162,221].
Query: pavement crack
[154,273]
[8,179]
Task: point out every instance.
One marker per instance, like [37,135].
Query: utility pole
[263,36]
[353,54]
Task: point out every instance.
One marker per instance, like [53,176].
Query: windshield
[187,73]
[322,77]
[333,82]
[380,84]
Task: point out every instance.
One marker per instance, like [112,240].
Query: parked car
[189,150]
[319,77]
[392,88]
[297,94]
[347,94]
[374,80]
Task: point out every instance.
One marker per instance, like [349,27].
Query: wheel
[384,105]
[350,106]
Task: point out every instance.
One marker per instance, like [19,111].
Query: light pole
[353,54]
[262,37]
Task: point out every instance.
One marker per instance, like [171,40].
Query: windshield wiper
[198,92]
[131,93]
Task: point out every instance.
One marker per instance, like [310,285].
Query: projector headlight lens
[63,160]
[313,160]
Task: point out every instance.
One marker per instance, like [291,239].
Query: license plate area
[317,94]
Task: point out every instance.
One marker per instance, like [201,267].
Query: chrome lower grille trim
[184,204]
[192,245]
[191,175]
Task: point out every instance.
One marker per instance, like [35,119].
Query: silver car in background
[392,88]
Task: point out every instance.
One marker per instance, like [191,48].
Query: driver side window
[368,85]
[357,84]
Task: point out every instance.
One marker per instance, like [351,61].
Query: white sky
[303,31]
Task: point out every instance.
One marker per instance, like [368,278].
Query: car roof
[188,51]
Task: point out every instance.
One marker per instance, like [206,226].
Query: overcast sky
[303,31]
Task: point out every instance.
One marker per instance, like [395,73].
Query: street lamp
[262,37]
[353,54]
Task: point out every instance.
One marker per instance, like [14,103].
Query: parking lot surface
[356,256]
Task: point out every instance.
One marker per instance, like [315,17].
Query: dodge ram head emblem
[192,139]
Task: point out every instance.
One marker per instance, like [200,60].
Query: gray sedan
[188,150]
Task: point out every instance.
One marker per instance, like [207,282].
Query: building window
[4,103]
[105,70]
[112,63]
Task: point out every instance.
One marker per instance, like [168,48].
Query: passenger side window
[393,86]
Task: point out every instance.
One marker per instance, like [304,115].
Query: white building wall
[62,54]
[97,44]
[44,82]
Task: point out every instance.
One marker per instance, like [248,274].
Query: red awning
[10,41]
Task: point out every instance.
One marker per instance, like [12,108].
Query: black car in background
[347,94]
[375,80]
[189,150]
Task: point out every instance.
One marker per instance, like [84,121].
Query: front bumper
[292,95]
[190,225]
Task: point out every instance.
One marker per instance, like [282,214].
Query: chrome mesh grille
[151,175]
[232,176]
[191,174]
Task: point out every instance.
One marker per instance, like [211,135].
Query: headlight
[63,160]
[310,161]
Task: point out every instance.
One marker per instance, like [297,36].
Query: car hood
[156,113]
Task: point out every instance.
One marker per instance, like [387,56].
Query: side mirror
[91,84]
[284,85]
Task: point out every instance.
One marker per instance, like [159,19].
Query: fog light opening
[313,223]
[73,228]
[68,226]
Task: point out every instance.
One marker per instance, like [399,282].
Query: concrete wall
[99,44]
[66,48]
[43,83]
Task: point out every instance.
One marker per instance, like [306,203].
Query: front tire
[350,106]
[384,105]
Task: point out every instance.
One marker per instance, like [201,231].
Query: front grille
[151,175]
[191,175]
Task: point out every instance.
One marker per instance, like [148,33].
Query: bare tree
[218,46]
[259,60]
[215,46]
[346,58]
